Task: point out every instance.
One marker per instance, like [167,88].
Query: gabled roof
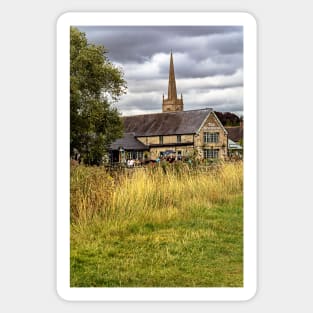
[167,123]
[235,133]
[128,142]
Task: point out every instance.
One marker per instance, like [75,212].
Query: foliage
[147,227]
[95,84]
[228,118]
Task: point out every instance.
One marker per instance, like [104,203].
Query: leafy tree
[95,84]
[228,118]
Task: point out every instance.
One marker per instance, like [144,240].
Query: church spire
[172,93]
[172,104]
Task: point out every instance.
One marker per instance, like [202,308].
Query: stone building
[181,133]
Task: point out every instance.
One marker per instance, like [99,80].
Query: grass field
[169,226]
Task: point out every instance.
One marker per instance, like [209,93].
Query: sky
[208,63]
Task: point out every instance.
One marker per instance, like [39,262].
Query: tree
[228,118]
[95,84]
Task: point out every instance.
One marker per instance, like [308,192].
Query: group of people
[169,159]
[133,163]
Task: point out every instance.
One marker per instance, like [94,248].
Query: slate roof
[128,142]
[235,133]
[167,123]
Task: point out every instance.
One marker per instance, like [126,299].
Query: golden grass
[163,226]
[155,194]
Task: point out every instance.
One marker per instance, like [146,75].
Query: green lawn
[202,247]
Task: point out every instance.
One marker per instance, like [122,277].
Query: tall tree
[95,84]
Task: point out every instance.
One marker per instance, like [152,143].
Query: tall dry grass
[157,193]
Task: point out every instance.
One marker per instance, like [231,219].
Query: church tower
[172,104]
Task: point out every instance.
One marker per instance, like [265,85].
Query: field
[161,226]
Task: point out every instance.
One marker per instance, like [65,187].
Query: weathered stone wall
[172,105]
[185,150]
[212,125]
[154,140]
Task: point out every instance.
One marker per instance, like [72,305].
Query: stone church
[173,131]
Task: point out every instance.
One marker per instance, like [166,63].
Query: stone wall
[185,150]
[212,125]
[170,139]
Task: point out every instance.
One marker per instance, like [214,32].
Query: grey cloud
[135,103]
[233,107]
[207,61]
[185,67]
[127,44]
[183,85]
[210,67]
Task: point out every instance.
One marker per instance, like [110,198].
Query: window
[178,138]
[210,153]
[210,137]
[161,140]
[135,155]
[139,155]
